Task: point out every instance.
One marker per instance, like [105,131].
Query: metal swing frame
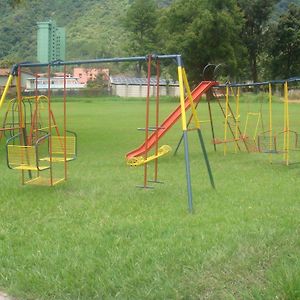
[183,86]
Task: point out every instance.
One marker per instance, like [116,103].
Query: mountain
[93,27]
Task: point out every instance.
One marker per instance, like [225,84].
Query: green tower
[51,42]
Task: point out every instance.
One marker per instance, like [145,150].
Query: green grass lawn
[97,236]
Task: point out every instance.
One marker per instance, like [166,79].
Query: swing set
[250,135]
[269,141]
[35,149]
[36,145]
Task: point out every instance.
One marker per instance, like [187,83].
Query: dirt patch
[294,101]
[4,296]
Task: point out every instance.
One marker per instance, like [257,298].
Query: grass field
[99,237]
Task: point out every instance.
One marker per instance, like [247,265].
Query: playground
[98,236]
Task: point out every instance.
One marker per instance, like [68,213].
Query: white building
[56,83]
[137,87]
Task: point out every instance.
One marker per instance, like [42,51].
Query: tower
[51,41]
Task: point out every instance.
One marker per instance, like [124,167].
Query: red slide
[171,119]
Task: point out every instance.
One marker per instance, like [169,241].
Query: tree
[285,47]
[203,31]
[6,63]
[256,15]
[14,3]
[140,22]
[99,85]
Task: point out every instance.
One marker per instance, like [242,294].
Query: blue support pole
[188,171]
[178,145]
[206,158]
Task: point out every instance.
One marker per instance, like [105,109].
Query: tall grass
[97,236]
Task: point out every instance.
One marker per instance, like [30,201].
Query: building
[3,77]
[137,87]
[56,83]
[4,73]
[51,42]
[86,74]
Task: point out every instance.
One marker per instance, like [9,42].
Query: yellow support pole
[8,84]
[270,123]
[187,88]
[182,106]
[253,136]
[226,119]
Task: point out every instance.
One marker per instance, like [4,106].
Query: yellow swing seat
[24,158]
[58,144]
[30,168]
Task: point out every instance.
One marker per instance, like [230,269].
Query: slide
[171,119]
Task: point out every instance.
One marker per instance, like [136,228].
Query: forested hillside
[93,27]
[201,30]
[283,5]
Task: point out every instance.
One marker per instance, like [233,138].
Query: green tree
[140,22]
[99,85]
[14,3]
[282,6]
[6,63]
[285,47]
[203,31]
[256,14]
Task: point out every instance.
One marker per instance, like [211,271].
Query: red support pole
[157,118]
[34,121]
[20,109]
[19,98]
[65,122]
[49,124]
[147,120]
[36,103]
